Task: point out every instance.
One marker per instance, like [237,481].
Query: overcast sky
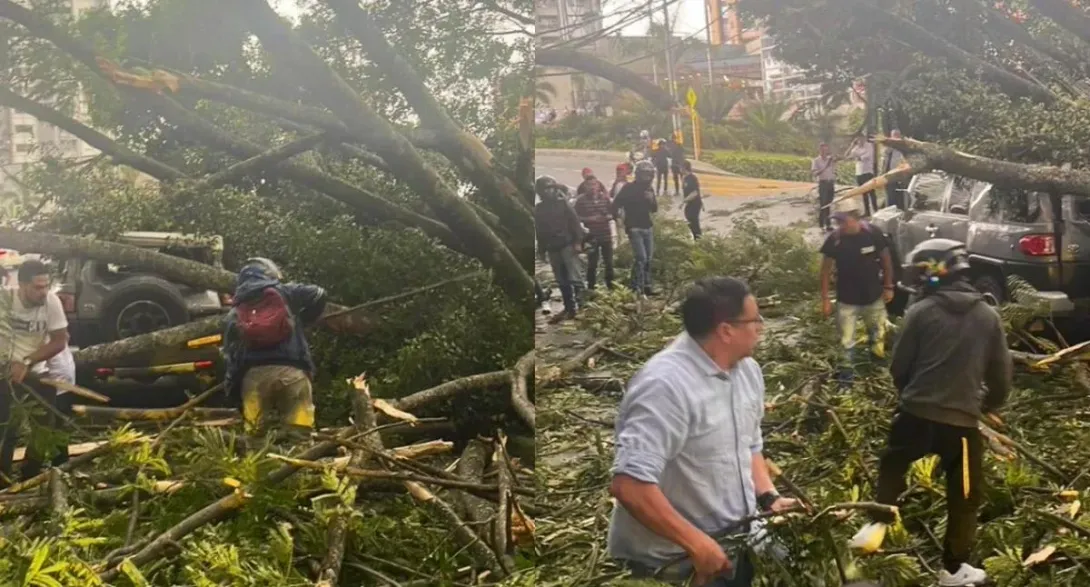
[686,16]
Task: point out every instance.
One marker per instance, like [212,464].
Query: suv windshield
[1003,204]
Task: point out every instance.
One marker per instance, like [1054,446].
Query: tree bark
[619,75]
[288,53]
[270,158]
[463,149]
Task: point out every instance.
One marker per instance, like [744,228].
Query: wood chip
[392,412]
[1039,557]
[415,451]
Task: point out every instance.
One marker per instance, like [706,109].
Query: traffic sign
[691,98]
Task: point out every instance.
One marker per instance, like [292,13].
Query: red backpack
[265,322]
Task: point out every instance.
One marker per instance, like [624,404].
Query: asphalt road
[773,202]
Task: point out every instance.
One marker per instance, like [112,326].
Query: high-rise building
[566,23]
[25,140]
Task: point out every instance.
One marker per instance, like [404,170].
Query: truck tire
[140,305]
[991,286]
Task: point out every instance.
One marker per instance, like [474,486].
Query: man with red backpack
[266,351]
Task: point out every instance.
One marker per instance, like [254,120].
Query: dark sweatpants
[662,180]
[9,429]
[870,199]
[692,216]
[911,438]
[599,247]
[826,192]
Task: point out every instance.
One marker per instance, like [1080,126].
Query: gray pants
[568,271]
[679,574]
[643,249]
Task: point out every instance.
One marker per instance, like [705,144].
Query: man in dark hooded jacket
[272,379]
[951,344]
[560,240]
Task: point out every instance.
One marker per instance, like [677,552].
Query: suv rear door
[1075,246]
[924,218]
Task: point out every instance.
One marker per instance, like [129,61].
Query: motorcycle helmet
[645,135]
[546,186]
[935,262]
[266,266]
[645,171]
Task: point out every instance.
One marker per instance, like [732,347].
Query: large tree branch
[925,42]
[599,67]
[266,160]
[288,53]
[90,136]
[463,149]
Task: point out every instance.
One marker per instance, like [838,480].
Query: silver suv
[107,302]
[1042,238]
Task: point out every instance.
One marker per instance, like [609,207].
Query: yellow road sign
[690,97]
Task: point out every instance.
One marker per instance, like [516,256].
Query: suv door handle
[932,230]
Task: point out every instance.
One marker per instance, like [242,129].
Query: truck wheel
[141,308]
[992,288]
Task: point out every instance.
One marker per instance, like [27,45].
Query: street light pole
[708,38]
[650,25]
[671,80]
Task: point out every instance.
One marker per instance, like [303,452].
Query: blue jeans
[568,272]
[643,249]
[873,317]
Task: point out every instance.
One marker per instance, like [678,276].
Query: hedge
[774,165]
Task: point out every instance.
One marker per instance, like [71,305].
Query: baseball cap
[846,207]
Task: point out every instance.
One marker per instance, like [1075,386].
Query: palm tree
[544,92]
[714,103]
[768,118]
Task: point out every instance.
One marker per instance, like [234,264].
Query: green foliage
[774,166]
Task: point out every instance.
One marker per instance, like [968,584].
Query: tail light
[1037,245]
[202,365]
[68,301]
[104,372]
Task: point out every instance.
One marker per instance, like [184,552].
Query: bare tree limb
[463,149]
[520,399]
[621,76]
[450,389]
[288,53]
[265,160]
[90,136]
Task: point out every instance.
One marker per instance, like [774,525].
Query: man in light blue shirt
[688,462]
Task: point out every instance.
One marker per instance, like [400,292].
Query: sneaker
[966,575]
[546,309]
[869,538]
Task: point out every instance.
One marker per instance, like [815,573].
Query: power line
[635,15]
[585,21]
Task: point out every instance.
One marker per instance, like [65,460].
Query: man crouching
[688,463]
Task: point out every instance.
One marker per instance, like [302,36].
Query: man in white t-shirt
[37,331]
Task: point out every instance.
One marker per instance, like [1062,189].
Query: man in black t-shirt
[864,281]
[693,201]
[637,199]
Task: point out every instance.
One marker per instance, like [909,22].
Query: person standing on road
[559,240]
[619,181]
[37,330]
[677,158]
[661,158]
[688,466]
[823,169]
[637,199]
[266,353]
[862,152]
[593,210]
[693,199]
[951,343]
[864,282]
[895,195]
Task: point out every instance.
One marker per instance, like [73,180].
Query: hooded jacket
[951,343]
[557,224]
[306,303]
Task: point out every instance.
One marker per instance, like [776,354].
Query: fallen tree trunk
[627,78]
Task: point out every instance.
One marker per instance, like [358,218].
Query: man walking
[677,158]
[688,465]
[637,199]
[559,239]
[593,210]
[952,343]
[864,282]
[823,169]
[661,158]
[693,200]
[619,181]
[37,332]
[862,151]
[895,195]
[266,353]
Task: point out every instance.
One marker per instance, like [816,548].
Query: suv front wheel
[992,288]
[142,305]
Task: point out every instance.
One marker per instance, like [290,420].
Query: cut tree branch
[266,160]
[520,398]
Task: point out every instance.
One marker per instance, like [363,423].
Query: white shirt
[864,158]
[29,326]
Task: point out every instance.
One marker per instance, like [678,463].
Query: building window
[27,128]
[548,23]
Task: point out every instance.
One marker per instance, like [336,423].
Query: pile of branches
[825,444]
[195,502]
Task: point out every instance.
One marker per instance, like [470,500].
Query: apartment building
[560,23]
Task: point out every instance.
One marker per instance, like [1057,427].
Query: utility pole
[566,34]
[708,39]
[650,25]
[671,80]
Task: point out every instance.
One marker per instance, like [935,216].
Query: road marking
[724,185]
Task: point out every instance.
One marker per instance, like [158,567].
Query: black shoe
[563,316]
[647,291]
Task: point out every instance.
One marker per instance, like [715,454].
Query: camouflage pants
[277,396]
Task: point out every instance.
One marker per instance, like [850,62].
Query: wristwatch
[766,499]
[27,362]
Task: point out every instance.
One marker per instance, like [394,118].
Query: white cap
[847,205]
